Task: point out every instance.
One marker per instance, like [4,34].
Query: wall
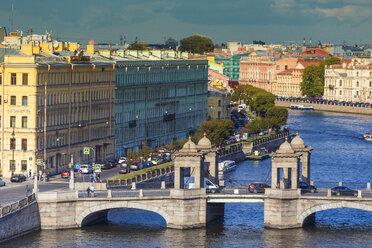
[27,220]
[330,108]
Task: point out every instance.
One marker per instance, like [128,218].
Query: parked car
[65,174]
[2,183]
[342,190]
[123,169]
[18,178]
[122,160]
[111,163]
[86,168]
[258,187]
[307,187]
[133,167]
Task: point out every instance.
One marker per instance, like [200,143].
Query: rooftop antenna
[121,40]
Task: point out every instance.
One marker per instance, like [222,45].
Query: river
[339,155]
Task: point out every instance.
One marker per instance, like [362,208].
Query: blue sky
[222,20]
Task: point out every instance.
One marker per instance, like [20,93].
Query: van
[86,168]
[211,187]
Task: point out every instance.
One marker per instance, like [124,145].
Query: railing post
[162,184]
[329,193]
[359,194]
[119,182]
[133,185]
[311,182]
[339,183]
[109,193]
[368,186]
[141,193]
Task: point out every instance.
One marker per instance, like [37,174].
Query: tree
[217,130]
[262,102]
[257,125]
[313,78]
[277,116]
[197,44]
[138,46]
[239,93]
[313,81]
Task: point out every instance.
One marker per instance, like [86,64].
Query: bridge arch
[356,205]
[122,204]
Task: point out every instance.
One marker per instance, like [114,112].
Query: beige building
[53,105]
[219,106]
[349,82]
[288,82]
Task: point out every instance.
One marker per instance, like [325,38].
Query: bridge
[285,205]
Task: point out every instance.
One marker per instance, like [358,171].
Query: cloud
[352,13]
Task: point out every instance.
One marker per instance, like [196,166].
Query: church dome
[297,142]
[204,142]
[285,148]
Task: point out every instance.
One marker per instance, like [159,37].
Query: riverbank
[327,107]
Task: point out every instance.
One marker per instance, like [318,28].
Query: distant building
[231,64]
[218,80]
[349,82]
[219,106]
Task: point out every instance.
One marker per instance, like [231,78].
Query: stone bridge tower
[210,160]
[299,147]
[189,157]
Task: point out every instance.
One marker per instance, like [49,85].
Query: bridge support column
[280,209]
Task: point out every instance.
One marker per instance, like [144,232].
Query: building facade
[349,82]
[52,107]
[219,106]
[231,64]
[158,100]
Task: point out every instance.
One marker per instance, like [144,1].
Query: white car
[122,160]
[86,168]
[2,183]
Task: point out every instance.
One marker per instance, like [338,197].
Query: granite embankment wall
[20,222]
[329,108]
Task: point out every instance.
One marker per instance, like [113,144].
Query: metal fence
[13,207]
[140,178]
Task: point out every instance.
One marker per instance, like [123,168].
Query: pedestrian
[91,178]
[88,191]
[30,174]
[94,177]
[99,177]
[27,190]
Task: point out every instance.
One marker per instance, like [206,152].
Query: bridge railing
[352,185]
[13,207]
[140,178]
[124,193]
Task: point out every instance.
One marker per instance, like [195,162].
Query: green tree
[313,78]
[217,130]
[197,44]
[262,101]
[257,125]
[277,116]
[138,46]
[313,81]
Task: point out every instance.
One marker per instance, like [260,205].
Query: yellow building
[52,107]
[219,106]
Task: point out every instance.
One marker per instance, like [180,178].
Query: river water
[339,155]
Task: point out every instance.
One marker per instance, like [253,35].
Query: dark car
[258,187]
[123,169]
[111,163]
[18,178]
[104,166]
[307,187]
[342,190]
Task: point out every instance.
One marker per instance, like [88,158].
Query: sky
[272,21]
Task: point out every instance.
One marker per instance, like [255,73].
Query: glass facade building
[157,101]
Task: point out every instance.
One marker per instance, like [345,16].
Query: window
[24,144]
[277,67]
[1,79]
[13,100]
[219,115]
[24,121]
[24,79]
[24,165]
[24,101]
[12,121]
[13,79]
[357,84]
[12,165]
[286,67]
[12,143]
[340,82]
[219,103]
